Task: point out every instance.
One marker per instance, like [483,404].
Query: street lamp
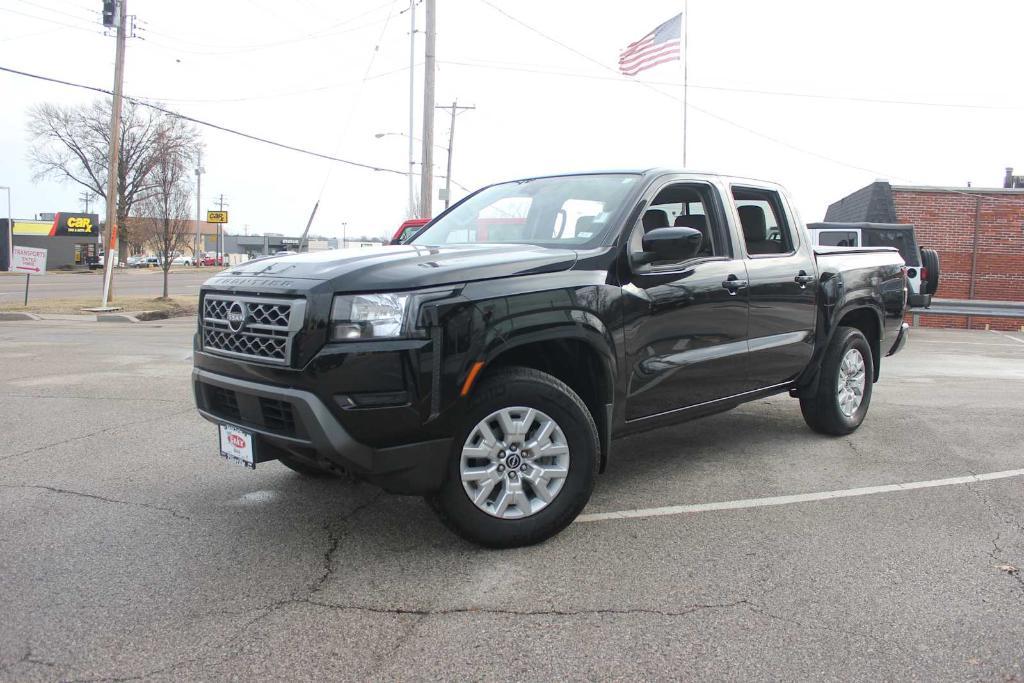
[405,135]
[10,228]
[448,150]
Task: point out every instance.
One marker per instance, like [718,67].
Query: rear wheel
[523,463]
[930,261]
[843,394]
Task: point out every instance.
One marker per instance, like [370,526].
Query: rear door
[685,332]
[783,286]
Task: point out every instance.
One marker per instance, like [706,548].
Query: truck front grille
[255,328]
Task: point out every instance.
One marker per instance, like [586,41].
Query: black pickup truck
[490,364]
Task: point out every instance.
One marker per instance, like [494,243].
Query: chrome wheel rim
[514,462]
[850,385]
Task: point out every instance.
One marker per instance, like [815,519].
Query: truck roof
[651,171]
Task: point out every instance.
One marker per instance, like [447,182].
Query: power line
[536,69]
[90,15]
[215,126]
[327,33]
[356,99]
[78,27]
[678,99]
[270,96]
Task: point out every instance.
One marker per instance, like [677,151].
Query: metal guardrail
[979,307]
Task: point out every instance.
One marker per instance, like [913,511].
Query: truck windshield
[565,211]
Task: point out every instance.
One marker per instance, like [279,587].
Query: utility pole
[455,109]
[412,105]
[199,203]
[344,234]
[86,198]
[10,231]
[427,169]
[115,152]
[220,233]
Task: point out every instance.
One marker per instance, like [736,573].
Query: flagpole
[686,84]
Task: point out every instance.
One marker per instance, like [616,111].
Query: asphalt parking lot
[129,550]
[127,282]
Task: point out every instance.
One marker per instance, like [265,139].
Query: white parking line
[798,498]
[946,343]
[1008,336]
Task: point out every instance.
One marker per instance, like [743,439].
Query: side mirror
[668,244]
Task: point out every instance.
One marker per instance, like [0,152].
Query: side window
[765,228]
[687,205]
[837,238]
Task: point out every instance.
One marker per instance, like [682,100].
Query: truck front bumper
[297,422]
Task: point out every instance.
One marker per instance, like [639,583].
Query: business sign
[216,216]
[75,224]
[63,224]
[28,260]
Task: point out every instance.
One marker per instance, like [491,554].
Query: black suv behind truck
[490,363]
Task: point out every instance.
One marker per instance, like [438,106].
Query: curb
[19,316]
[131,317]
[116,318]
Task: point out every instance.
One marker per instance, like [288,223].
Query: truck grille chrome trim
[250,327]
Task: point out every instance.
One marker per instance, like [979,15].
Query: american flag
[657,47]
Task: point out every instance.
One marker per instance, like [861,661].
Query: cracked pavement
[130,551]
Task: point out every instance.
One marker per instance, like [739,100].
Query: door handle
[733,284]
[803,279]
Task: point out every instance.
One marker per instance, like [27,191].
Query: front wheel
[523,462]
[844,385]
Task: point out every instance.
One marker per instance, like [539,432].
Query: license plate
[236,445]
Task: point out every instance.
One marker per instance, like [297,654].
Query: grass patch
[171,307]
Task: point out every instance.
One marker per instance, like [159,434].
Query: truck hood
[409,266]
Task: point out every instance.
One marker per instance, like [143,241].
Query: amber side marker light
[471,377]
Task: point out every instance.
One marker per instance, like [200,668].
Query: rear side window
[766,231]
[837,238]
[903,240]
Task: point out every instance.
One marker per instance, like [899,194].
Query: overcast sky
[294,72]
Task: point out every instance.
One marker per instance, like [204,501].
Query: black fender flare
[587,329]
[829,321]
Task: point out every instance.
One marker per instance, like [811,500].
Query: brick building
[978,232]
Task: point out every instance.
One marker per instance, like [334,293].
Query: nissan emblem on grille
[252,327]
[236,316]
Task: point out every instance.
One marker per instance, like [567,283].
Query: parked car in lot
[182,261]
[408,229]
[922,264]
[492,370]
[210,260]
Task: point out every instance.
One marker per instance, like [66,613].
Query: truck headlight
[368,316]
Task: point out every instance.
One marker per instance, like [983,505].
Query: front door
[685,326]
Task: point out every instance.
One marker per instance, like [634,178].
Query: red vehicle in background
[210,260]
[407,229]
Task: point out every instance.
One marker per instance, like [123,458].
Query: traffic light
[110,13]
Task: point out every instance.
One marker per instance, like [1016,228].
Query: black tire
[822,410]
[930,260]
[529,388]
[307,469]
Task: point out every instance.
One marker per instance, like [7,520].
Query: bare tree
[71,144]
[165,211]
